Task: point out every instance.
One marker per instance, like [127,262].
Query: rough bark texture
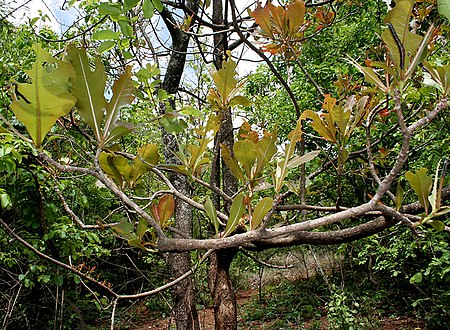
[222,292]
[224,298]
[184,310]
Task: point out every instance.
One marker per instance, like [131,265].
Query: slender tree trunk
[222,292]
[184,308]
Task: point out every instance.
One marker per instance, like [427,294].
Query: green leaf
[444,8]
[105,35]
[245,153]
[125,229]
[299,160]
[88,88]
[400,17]
[421,184]
[142,228]
[399,196]
[172,124]
[325,130]
[158,5]
[125,28]
[129,4]
[370,76]
[224,79]
[240,100]
[260,211]
[211,212]
[149,153]
[231,162]
[282,167]
[266,148]
[109,8]
[47,97]
[417,278]
[148,8]
[5,201]
[105,46]
[123,90]
[236,211]
[118,130]
[438,225]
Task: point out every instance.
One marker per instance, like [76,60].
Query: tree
[250,178]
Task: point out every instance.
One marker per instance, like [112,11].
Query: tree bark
[222,292]
[184,309]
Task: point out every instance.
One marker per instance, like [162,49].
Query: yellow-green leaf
[245,153]
[421,184]
[46,98]
[212,214]
[89,88]
[236,211]
[260,211]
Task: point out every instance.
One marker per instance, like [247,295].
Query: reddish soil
[206,318]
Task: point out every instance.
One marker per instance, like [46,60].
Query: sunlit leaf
[211,212]
[245,153]
[436,224]
[421,184]
[260,211]
[122,96]
[105,35]
[46,98]
[105,46]
[142,228]
[399,196]
[88,88]
[231,162]
[236,211]
[299,160]
[444,8]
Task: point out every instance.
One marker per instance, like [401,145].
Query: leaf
[125,229]
[105,46]
[240,100]
[118,130]
[105,35]
[148,9]
[88,88]
[245,153]
[165,209]
[444,8]
[47,97]
[231,162]
[408,42]
[236,211]
[260,211]
[149,153]
[399,196]
[370,76]
[211,212]
[322,128]
[421,184]
[172,124]
[295,135]
[142,228]
[299,160]
[266,148]
[158,5]
[224,79]
[123,90]
[438,225]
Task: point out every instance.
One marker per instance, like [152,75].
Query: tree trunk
[222,292]
[224,298]
[184,309]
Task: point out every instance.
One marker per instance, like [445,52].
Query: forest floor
[305,269]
